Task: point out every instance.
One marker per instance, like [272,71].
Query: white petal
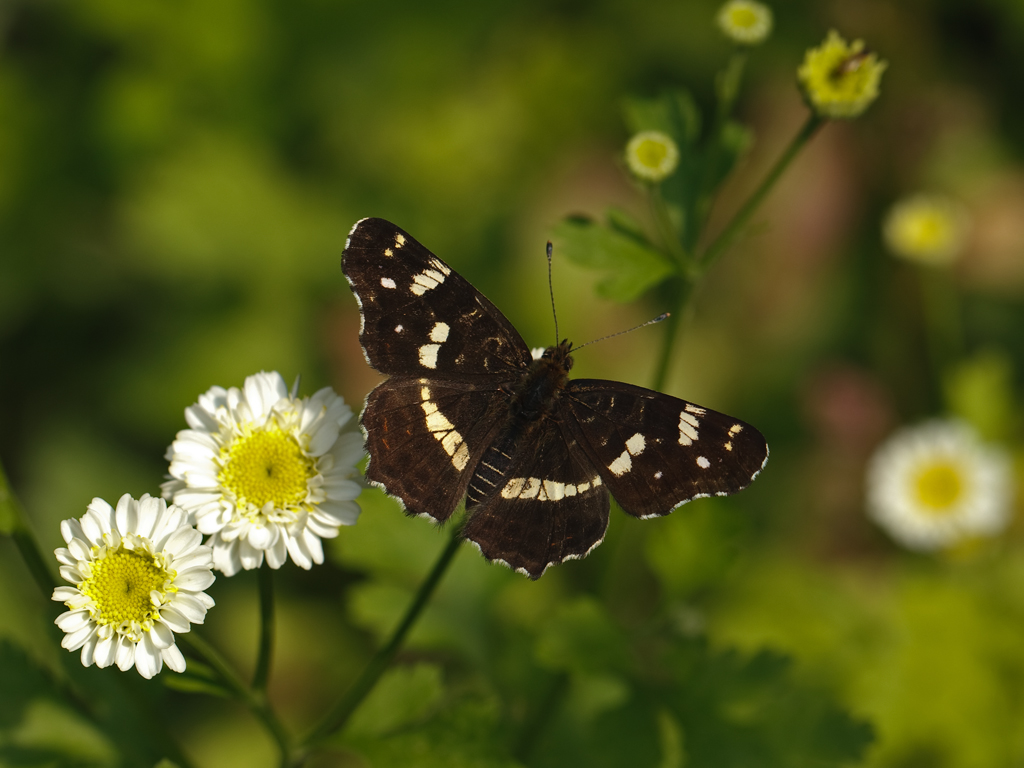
[191,608]
[106,651]
[194,579]
[161,635]
[147,657]
[182,541]
[278,554]
[249,557]
[299,556]
[175,620]
[225,557]
[263,536]
[73,621]
[124,657]
[88,656]
[75,640]
[173,658]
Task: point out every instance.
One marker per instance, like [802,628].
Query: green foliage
[403,697]
[631,264]
[35,729]
[465,734]
[980,391]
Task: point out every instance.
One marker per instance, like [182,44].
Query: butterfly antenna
[551,290]
[658,319]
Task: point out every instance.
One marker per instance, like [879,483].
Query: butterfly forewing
[655,451]
[420,317]
[550,505]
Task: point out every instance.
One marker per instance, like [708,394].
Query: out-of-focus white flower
[745,22]
[932,485]
[929,229]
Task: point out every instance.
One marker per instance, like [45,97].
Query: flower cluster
[266,474]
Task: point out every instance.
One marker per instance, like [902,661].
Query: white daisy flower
[266,474]
[935,484]
[652,156]
[139,573]
[929,229]
[745,22]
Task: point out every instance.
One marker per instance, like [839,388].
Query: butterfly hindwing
[425,438]
[420,317]
[655,451]
[549,506]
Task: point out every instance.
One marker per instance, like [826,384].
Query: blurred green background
[177,180]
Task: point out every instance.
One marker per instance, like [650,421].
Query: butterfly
[468,412]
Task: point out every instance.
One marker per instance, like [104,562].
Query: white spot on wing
[657,475]
[735,429]
[387,282]
[695,409]
[399,328]
[687,428]
[428,355]
[636,444]
[439,332]
[702,462]
[621,465]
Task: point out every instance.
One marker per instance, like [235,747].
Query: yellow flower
[745,22]
[652,155]
[926,228]
[840,79]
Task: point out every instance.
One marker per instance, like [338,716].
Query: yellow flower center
[120,584]
[938,487]
[266,466]
[743,17]
[651,153]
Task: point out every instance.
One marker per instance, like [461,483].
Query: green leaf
[631,267]
[675,113]
[403,696]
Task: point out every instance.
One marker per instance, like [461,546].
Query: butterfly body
[467,412]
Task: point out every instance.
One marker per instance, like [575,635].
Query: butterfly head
[557,358]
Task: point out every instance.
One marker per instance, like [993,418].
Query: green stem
[682,295]
[742,216]
[256,701]
[942,318]
[14,522]
[266,581]
[353,697]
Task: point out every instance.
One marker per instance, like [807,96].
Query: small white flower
[266,474]
[745,22]
[139,573]
[935,484]
[652,156]
[929,229]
